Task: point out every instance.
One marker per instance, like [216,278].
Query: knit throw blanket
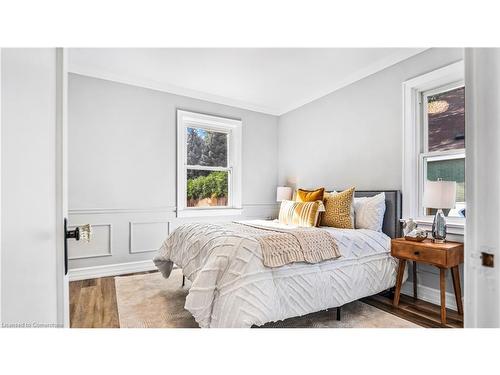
[281,245]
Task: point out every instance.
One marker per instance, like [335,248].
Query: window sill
[209,212]
[453,225]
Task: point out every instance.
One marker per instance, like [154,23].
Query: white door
[482,288]
[33,198]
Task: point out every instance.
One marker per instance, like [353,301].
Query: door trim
[470,306]
[61,182]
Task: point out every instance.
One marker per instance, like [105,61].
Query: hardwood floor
[93,305]
[417,311]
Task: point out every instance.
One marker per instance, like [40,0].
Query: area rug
[150,301]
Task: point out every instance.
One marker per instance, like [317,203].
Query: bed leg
[183,280]
[338,313]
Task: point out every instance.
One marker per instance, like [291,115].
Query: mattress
[234,289]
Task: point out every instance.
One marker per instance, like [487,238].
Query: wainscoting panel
[99,246]
[136,235]
[147,236]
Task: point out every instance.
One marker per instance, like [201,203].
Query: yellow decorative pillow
[302,214]
[310,195]
[338,209]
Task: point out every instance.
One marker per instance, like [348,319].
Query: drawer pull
[416,253]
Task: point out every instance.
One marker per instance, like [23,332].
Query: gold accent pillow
[302,214]
[338,209]
[310,195]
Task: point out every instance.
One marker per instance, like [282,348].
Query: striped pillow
[302,214]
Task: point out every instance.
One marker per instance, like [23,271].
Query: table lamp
[283,193]
[440,195]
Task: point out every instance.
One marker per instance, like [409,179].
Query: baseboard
[110,270]
[431,295]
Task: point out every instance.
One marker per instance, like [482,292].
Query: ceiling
[269,80]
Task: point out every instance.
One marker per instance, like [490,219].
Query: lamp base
[439,227]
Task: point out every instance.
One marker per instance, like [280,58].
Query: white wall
[28,186]
[353,136]
[122,166]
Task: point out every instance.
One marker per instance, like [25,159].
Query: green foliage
[213,185]
[449,170]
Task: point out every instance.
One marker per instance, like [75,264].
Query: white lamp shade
[440,194]
[283,193]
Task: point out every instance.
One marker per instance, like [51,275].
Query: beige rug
[150,301]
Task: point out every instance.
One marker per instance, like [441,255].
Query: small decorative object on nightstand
[411,232]
[439,194]
[445,256]
[408,225]
[417,235]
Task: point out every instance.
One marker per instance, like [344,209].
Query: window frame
[425,154]
[414,140]
[233,129]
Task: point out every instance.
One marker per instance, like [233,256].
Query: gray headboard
[391,226]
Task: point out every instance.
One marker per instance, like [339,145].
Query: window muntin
[443,147]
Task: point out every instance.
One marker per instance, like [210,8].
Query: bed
[231,287]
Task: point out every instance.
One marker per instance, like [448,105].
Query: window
[434,141]
[443,148]
[209,165]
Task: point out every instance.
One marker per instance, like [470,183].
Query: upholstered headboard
[391,225]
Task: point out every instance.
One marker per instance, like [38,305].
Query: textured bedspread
[282,244]
[231,287]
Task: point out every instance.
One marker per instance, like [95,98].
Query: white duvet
[232,288]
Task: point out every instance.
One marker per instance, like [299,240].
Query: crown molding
[357,76]
[99,73]
[130,79]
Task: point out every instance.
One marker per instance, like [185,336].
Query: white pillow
[369,212]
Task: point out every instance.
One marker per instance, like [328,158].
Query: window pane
[446,119]
[206,148]
[207,188]
[449,170]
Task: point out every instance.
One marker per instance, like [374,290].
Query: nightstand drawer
[419,253]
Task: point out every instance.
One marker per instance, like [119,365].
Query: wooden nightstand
[445,256]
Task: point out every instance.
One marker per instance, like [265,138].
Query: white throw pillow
[369,212]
